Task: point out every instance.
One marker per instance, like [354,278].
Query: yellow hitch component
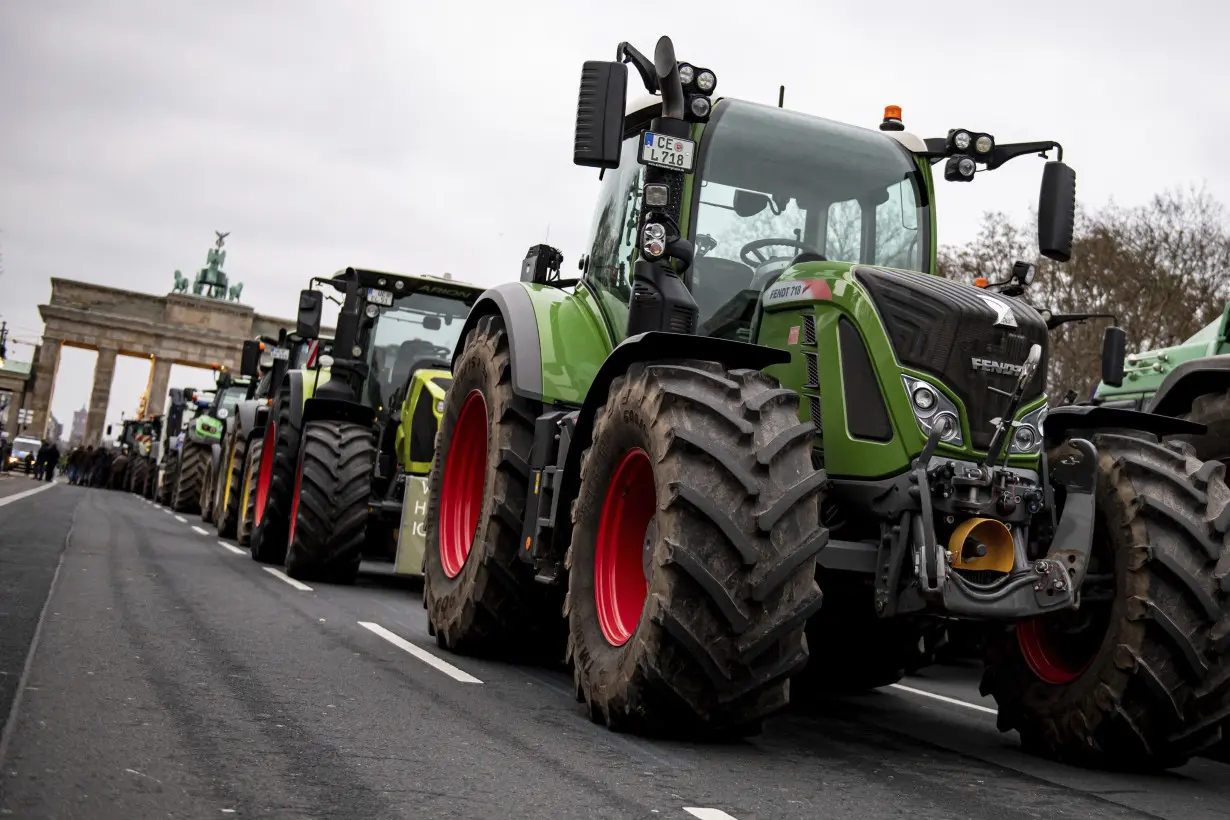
[1000,554]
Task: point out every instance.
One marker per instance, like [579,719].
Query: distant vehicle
[23,445]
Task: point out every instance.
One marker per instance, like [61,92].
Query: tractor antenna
[781,97]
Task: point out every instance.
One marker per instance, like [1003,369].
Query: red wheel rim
[1052,662]
[465,477]
[619,574]
[266,470]
[294,504]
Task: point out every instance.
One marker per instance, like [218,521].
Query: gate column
[104,373]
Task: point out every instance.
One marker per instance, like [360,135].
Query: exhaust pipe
[983,544]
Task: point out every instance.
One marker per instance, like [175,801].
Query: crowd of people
[87,466]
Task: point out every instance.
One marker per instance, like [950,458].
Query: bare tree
[1162,268]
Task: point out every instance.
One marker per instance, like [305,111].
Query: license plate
[673,153]
[281,353]
[379,297]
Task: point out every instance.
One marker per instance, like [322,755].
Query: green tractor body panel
[313,380]
[420,419]
[1144,372]
[574,339]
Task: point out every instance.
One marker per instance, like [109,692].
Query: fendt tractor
[758,389]
[138,438]
[330,490]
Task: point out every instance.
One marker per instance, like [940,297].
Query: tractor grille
[813,404]
[809,330]
[813,371]
[940,327]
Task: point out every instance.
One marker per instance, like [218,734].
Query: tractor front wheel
[693,556]
[226,517]
[1139,676]
[479,596]
[329,508]
[208,481]
[247,501]
[186,496]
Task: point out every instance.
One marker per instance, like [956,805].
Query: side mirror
[747,203]
[250,360]
[600,114]
[224,380]
[431,322]
[1056,211]
[311,306]
[1114,352]
[108,429]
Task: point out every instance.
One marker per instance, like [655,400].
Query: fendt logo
[1000,368]
[1003,311]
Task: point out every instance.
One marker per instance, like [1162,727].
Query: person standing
[52,461]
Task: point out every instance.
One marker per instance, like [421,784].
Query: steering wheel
[751,256]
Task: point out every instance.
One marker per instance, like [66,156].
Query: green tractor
[1189,380]
[329,490]
[166,450]
[758,389]
[200,449]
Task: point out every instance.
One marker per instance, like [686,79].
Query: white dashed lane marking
[277,573]
[232,548]
[181,519]
[944,698]
[422,654]
[201,530]
[708,814]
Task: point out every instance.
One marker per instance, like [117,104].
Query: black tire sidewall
[474,372]
[625,430]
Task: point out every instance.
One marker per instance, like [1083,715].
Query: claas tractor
[329,491]
[758,390]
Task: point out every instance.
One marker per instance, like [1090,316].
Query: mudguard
[1188,380]
[1063,420]
[512,302]
[648,347]
[302,385]
[337,410]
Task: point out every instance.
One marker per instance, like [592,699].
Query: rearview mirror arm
[1012,150]
[625,53]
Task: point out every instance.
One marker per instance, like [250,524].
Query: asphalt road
[174,677]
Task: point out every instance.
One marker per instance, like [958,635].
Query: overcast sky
[432,137]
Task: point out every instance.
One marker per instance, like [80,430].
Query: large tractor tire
[692,564]
[329,510]
[137,476]
[480,597]
[275,485]
[852,649]
[209,478]
[247,501]
[226,514]
[1139,676]
[186,496]
[166,480]
[1212,410]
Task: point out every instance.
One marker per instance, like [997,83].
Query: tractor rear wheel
[186,496]
[1139,676]
[329,508]
[1212,410]
[137,476]
[479,596]
[247,501]
[227,515]
[693,557]
[275,485]
[166,479]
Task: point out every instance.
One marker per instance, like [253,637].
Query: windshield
[232,396]
[417,331]
[845,193]
[23,445]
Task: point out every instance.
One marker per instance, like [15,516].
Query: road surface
[172,676]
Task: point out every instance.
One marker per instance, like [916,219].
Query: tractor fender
[1197,377]
[511,301]
[302,385]
[1062,421]
[245,416]
[646,347]
[315,409]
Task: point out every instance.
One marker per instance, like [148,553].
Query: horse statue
[181,283]
[235,291]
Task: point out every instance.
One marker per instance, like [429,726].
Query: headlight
[961,139]
[686,74]
[706,80]
[440,405]
[933,409]
[701,107]
[1027,434]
